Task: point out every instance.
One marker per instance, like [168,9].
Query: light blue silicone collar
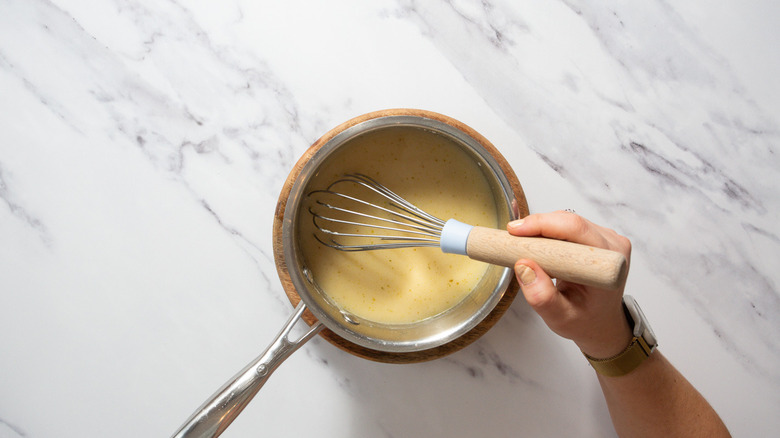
[454,236]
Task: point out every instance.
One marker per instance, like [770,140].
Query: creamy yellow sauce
[402,286]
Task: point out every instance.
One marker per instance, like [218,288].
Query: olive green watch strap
[625,361]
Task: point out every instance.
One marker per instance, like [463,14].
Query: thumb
[539,290]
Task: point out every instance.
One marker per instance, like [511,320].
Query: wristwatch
[640,348]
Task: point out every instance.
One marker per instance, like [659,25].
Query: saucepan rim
[433,332]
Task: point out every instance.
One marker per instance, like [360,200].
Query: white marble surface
[143,145]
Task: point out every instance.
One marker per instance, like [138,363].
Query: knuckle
[625,244]
[579,224]
[619,242]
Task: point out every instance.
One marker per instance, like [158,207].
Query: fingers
[558,225]
[571,227]
[538,288]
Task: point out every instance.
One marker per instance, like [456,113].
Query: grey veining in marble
[646,141]
[143,146]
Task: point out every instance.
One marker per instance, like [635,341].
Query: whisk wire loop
[315,216]
[396,200]
[412,221]
[414,226]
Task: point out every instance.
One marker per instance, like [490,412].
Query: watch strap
[625,361]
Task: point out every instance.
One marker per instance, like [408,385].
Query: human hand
[592,318]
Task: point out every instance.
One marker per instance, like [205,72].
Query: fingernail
[525,274]
[515,224]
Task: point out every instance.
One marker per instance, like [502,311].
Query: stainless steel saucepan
[344,329]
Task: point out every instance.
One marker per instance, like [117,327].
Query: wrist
[609,341]
[641,346]
[606,348]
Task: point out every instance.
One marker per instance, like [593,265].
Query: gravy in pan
[399,286]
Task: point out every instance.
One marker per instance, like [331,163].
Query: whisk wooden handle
[563,260]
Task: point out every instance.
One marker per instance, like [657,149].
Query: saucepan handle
[216,414]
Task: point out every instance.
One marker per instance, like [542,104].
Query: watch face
[641,326]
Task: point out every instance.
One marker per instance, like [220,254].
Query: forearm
[656,400]
[653,399]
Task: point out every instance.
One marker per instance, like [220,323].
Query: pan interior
[408,299]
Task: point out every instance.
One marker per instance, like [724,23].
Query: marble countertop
[144,144]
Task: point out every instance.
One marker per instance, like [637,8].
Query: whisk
[397,223]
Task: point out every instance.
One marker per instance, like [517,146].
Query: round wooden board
[521,208]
